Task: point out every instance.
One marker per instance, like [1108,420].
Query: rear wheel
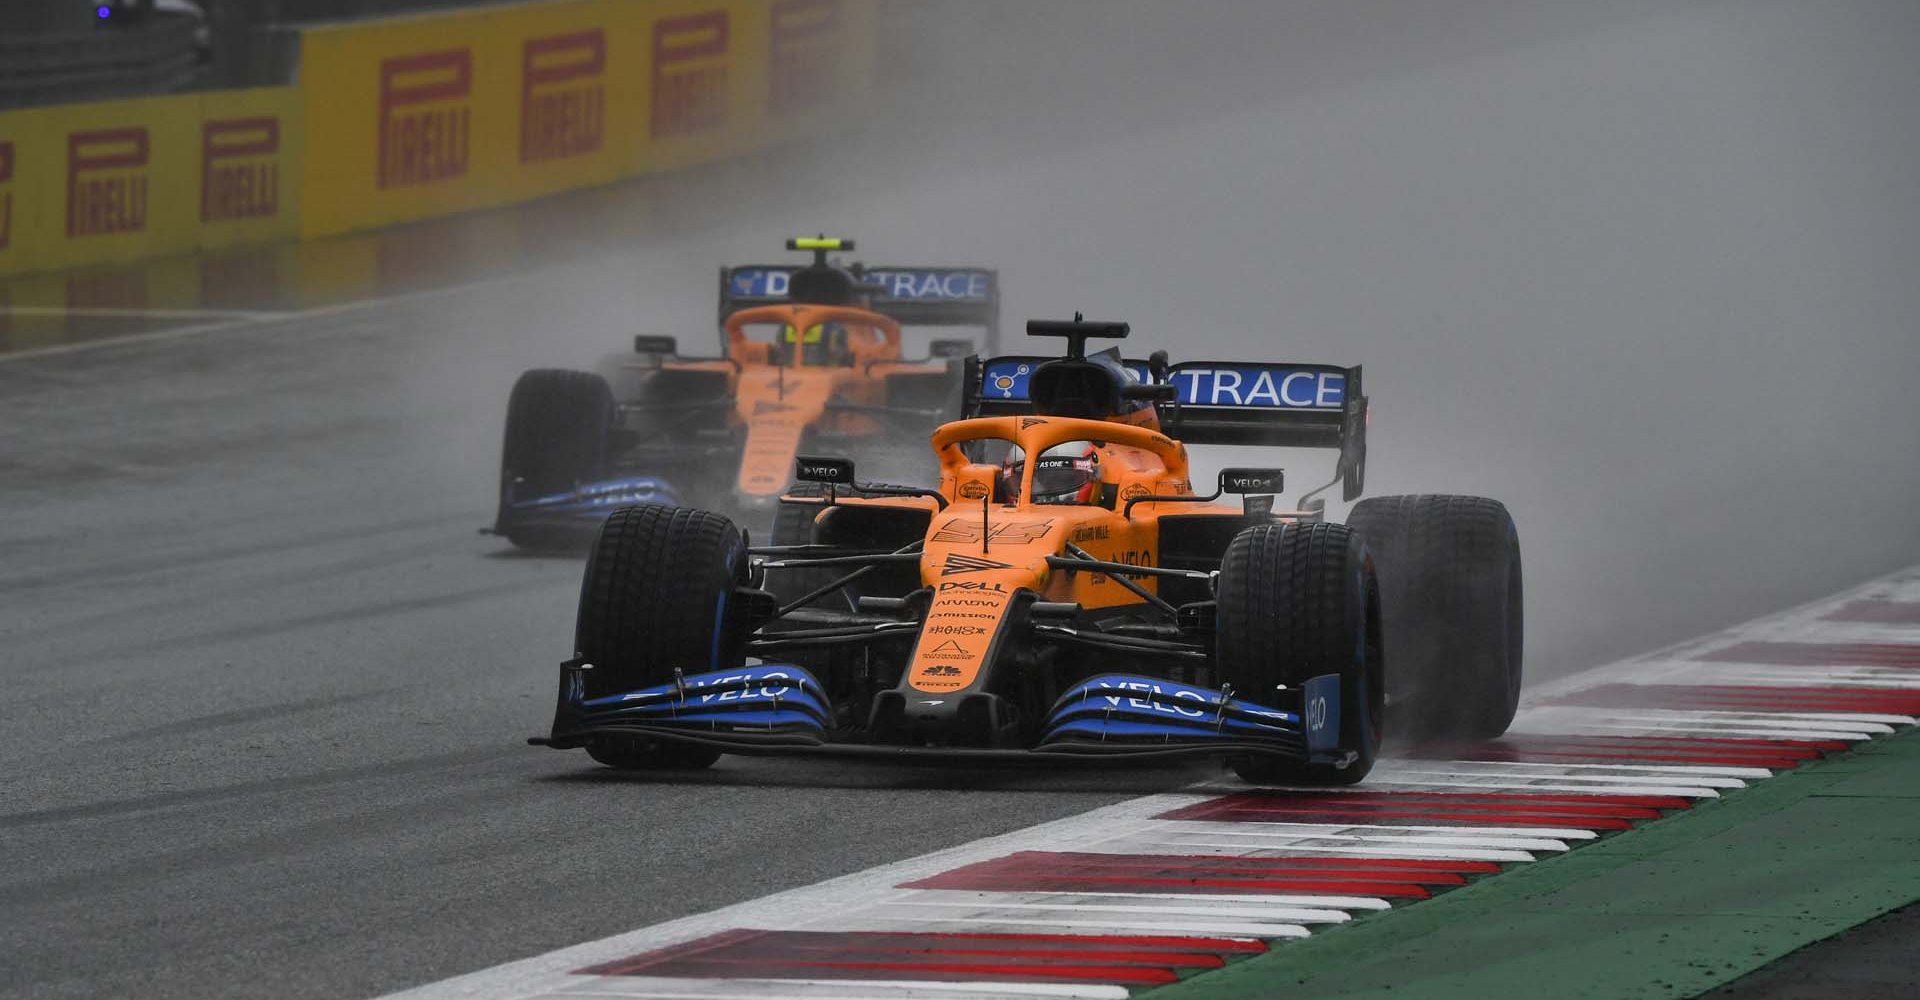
[559,424]
[657,595]
[1296,601]
[793,524]
[1450,587]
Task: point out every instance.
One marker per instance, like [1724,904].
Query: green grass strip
[1669,909]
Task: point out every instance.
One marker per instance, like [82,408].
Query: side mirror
[821,469]
[1245,481]
[950,348]
[651,344]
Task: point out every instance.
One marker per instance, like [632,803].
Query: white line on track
[832,989]
[1614,784]
[992,904]
[1279,836]
[265,321]
[1678,773]
[1481,782]
[102,312]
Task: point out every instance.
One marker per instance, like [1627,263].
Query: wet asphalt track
[266,691]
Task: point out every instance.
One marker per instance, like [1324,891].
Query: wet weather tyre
[1296,601]
[793,522]
[658,594]
[1451,598]
[793,525]
[559,423]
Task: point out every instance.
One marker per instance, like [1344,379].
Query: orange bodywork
[778,402]
[979,553]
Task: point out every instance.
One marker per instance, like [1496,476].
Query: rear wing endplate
[1281,405]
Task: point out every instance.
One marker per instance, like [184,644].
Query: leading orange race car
[1063,595]
[811,357]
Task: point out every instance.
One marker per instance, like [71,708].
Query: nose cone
[777,408]
[975,562]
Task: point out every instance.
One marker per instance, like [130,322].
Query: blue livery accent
[1259,386]
[1205,383]
[900,284]
[1320,697]
[1123,706]
[905,284]
[763,696]
[759,282]
[1129,729]
[597,500]
[668,704]
[1006,378]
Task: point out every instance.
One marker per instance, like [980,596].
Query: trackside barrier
[119,180]
[406,118]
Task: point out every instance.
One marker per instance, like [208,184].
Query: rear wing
[1284,405]
[912,296]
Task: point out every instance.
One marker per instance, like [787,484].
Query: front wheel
[1451,586]
[657,596]
[1296,601]
[558,435]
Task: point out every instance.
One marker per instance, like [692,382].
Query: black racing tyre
[658,594]
[1296,601]
[1451,595]
[559,424]
[792,522]
[793,525]
[624,374]
[941,391]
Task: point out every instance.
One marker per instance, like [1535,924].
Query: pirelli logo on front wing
[563,96]
[689,74]
[426,118]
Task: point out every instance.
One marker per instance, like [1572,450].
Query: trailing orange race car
[811,357]
[1063,594]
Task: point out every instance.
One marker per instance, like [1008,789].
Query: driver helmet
[819,344]
[1065,474]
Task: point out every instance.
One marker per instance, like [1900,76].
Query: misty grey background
[1650,273]
[1645,271]
[1642,270]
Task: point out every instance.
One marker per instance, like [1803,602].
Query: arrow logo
[970,564]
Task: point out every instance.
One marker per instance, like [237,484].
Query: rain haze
[1644,271]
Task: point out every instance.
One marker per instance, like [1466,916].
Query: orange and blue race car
[812,357]
[1064,594]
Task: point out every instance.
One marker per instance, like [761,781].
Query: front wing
[781,709]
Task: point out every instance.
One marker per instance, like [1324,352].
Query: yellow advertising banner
[121,180]
[417,116]
[404,118]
